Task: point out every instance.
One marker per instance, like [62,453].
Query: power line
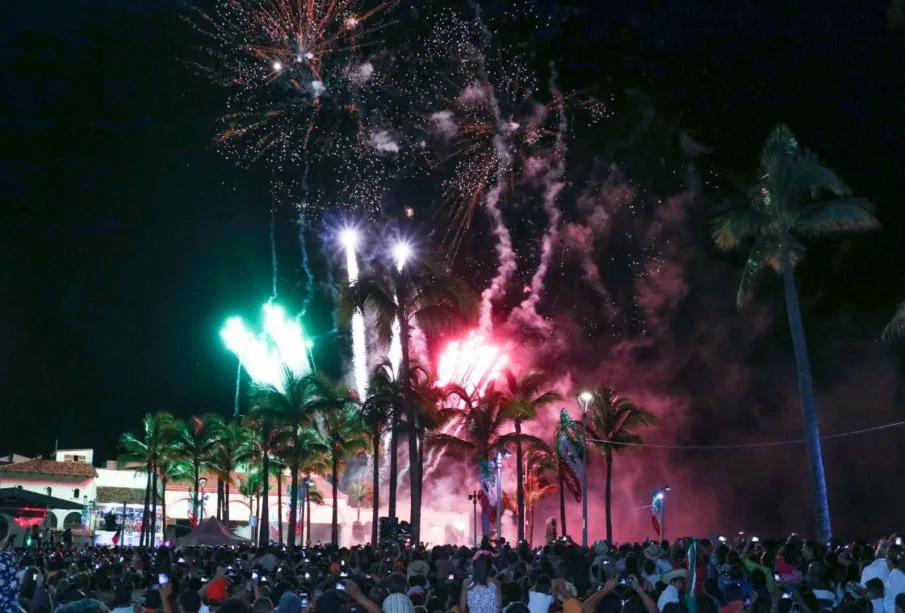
[757,445]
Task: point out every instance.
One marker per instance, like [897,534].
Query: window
[75,493]
[73,520]
[80,459]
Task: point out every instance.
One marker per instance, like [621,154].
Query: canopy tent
[211,532]
[17,499]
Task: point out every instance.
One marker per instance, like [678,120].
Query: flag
[488,509]
[656,510]
[117,534]
[691,589]
[487,495]
[571,451]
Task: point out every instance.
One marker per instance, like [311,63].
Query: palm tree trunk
[808,404]
[562,505]
[609,495]
[308,499]
[530,512]
[219,498]
[280,505]
[408,405]
[375,493]
[257,514]
[146,510]
[196,495]
[264,524]
[520,480]
[163,504]
[226,485]
[394,462]
[334,522]
[294,503]
[153,504]
[301,507]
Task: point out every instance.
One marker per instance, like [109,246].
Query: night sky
[128,239]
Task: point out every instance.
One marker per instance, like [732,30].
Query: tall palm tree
[146,451]
[195,441]
[344,432]
[294,407]
[277,469]
[170,469]
[313,461]
[539,462]
[312,494]
[612,429]
[234,451]
[524,397]
[484,421]
[796,196]
[423,292]
[268,440]
[895,329]
[376,414]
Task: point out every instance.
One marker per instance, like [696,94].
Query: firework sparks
[266,357]
[349,238]
[290,66]
[472,363]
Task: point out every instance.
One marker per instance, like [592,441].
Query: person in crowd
[481,593]
[397,601]
[675,585]
[895,582]
[878,569]
[539,597]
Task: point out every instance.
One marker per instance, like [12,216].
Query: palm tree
[423,292]
[195,441]
[524,398]
[539,462]
[784,205]
[251,489]
[344,432]
[376,414]
[362,494]
[277,469]
[483,421]
[313,461]
[294,407]
[268,440]
[169,469]
[613,421]
[146,451]
[235,450]
[895,329]
[312,494]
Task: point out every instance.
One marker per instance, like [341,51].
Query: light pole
[583,399]
[500,455]
[659,505]
[473,497]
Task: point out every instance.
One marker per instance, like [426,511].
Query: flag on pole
[487,495]
[656,510]
[570,449]
[116,535]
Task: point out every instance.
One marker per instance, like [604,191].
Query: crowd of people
[736,575]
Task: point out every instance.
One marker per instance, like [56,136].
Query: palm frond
[895,329]
[374,296]
[849,214]
[732,228]
[764,254]
[440,439]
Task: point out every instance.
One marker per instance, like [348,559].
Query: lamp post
[500,455]
[659,504]
[583,399]
[473,497]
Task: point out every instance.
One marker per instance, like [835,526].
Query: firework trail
[273,249]
[526,312]
[359,347]
[303,242]
[238,385]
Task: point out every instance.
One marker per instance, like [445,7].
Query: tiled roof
[120,495]
[51,467]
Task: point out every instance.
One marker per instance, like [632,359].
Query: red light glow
[472,363]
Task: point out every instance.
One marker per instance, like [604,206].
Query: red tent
[212,531]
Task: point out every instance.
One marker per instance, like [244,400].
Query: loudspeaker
[388,527]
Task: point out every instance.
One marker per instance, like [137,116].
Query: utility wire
[757,445]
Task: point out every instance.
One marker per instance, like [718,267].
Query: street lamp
[658,504]
[501,454]
[473,497]
[584,398]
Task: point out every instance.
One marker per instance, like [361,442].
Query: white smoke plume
[444,125]
[362,73]
[382,141]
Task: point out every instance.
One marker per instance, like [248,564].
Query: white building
[119,495]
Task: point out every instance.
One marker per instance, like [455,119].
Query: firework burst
[296,70]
